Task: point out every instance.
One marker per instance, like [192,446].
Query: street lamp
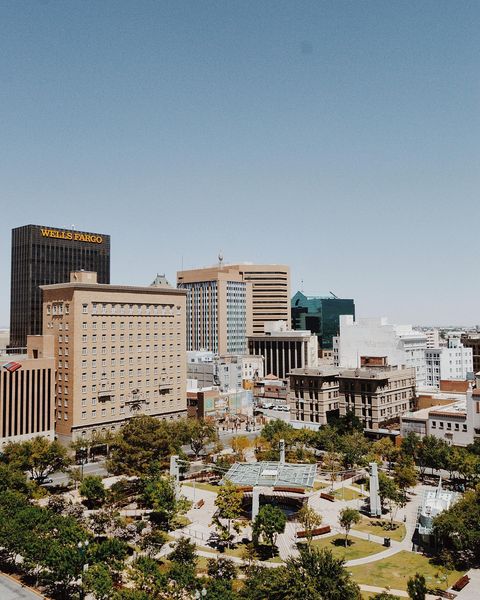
[83,457]
[200,594]
[82,547]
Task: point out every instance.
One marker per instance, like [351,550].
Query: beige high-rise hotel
[120,351]
[227,303]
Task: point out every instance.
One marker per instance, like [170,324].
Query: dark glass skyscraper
[321,315]
[45,255]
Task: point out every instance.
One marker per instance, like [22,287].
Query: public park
[179,514]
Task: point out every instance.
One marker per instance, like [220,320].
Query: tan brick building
[27,391]
[378,394]
[119,350]
[313,397]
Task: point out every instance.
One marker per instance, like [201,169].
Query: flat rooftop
[272,474]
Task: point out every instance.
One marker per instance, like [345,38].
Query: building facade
[44,255]
[120,351]
[320,315]
[313,397]
[401,344]
[267,300]
[453,361]
[219,310]
[376,395]
[283,349]
[473,341]
[27,392]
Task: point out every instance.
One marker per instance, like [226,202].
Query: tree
[221,568]
[410,445]
[432,453]
[111,552]
[405,475]
[332,464]
[159,494]
[385,596]
[229,505]
[39,456]
[240,444]
[417,587]
[313,575]
[326,438]
[153,541]
[457,530]
[276,430]
[384,450]
[354,447]
[199,433]
[141,445]
[348,423]
[310,520]
[98,582]
[12,478]
[347,518]
[93,491]
[269,522]
[184,552]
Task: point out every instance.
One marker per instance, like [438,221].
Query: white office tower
[451,362]
[369,338]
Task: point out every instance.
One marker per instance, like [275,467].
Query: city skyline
[337,138]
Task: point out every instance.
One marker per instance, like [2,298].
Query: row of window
[448,426]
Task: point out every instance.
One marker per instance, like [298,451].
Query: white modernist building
[451,362]
[400,344]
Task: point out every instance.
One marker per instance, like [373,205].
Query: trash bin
[386,542]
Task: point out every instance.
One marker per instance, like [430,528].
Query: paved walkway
[10,589]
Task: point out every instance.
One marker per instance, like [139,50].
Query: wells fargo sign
[76,236]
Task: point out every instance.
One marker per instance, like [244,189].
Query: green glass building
[321,315]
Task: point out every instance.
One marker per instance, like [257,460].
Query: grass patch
[182,521]
[238,551]
[347,494]
[208,487]
[395,571]
[380,527]
[357,548]
[319,485]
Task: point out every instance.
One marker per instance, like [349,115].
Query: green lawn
[378,527]
[357,548]
[202,486]
[395,571]
[237,551]
[347,494]
[319,485]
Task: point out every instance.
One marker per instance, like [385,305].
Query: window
[84,309]
[84,414]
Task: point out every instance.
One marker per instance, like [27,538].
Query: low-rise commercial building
[313,397]
[283,349]
[451,362]
[377,395]
[119,351]
[27,391]
[455,418]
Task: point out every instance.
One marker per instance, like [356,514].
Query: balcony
[104,395]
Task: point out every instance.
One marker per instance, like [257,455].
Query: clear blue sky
[342,138]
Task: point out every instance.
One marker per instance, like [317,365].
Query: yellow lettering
[70,235]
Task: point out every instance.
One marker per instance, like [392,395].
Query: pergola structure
[266,475]
[272,474]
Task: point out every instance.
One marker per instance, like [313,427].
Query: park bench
[245,488]
[328,497]
[200,503]
[461,583]
[314,532]
[280,488]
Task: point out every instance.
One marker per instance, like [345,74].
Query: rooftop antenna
[220,259]
[336,297]
[301,286]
